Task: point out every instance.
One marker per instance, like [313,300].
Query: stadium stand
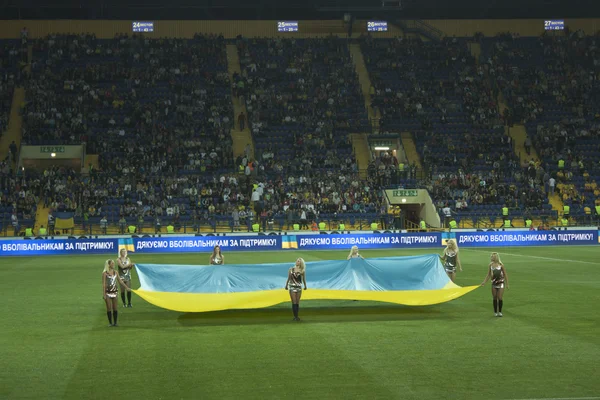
[439,92]
[137,102]
[550,85]
[16,208]
[157,111]
[306,92]
[159,114]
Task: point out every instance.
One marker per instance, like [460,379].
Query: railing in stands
[483,220]
[219,224]
[354,222]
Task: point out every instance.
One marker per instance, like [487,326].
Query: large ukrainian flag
[414,281]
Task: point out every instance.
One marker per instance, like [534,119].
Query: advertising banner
[364,241]
[21,247]
[187,244]
[526,238]
[205,244]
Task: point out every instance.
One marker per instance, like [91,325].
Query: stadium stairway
[29,59]
[518,133]
[556,202]
[360,145]
[410,149]
[15,123]
[365,82]
[475,49]
[240,138]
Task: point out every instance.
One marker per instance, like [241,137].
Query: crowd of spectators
[159,113]
[299,81]
[133,100]
[571,149]
[19,196]
[550,84]
[448,101]
[385,170]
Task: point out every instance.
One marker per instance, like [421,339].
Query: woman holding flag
[125,266]
[110,289]
[451,259]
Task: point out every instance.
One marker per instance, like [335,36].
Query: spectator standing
[242,121]
[14,220]
[103,224]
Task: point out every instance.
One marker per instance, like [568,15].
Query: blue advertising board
[193,244]
[184,244]
[526,238]
[364,241]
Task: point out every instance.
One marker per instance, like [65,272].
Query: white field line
[561,398]
[540,258]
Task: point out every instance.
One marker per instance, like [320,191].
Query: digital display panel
[554,25]
[287,26]
[377,26]
[139,26]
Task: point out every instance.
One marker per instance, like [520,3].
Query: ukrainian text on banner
[57,247]
[364,241]
[526,238]
[184,244]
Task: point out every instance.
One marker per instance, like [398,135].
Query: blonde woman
[124,266]
[497,273]
[110,290]
[354,253]
[216,258]
[451,259]
[296,279]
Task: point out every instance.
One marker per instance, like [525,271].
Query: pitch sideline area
[55,343]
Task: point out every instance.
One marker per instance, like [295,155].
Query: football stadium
[321,199]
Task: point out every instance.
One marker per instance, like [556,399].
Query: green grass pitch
[55,343]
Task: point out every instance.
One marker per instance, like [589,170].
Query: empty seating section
[551,85]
